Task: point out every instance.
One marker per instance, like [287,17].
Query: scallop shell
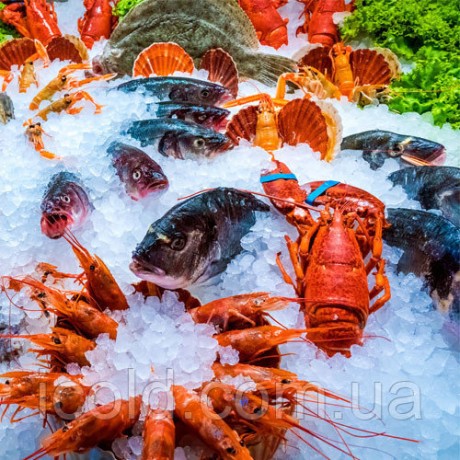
[302,121]
[15,52]
[370,67]
[222,69]
[319,59]
[243,125]
[162,59]
[67,48]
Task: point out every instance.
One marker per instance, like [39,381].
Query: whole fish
[6,108]
[208,116]
[65,205]
[435,187]
[178,139]
[196,26]
[140,174]
[178,89]
[378,146]
[196,239]
[431,248]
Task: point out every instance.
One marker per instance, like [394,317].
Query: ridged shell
[67,48]
[15,52]
[334,129]
[243,125]
[319,59]
[370,67]
[302,121]
[162,59]
[222,69]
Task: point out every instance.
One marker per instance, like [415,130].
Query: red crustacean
[329,256]
[33,19]
[97,22]
[319,23]
[270,26]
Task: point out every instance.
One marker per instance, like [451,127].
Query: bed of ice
[405,373]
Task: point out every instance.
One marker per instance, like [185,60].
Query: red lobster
[33,19]
[329,256]
[97,22]
[270,26]
[319,23]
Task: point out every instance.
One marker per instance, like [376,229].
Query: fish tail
[266,68]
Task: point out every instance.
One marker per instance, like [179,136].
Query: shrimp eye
[177,244]
[56,340]
[7,382]
[199,142]
[205,93]
[231,450]
[65,198]
[92,267]
[63,78]
[257,410]
[241,442]
[285,381]
[65,428]
[136,174]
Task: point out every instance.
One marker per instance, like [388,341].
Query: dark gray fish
[435,187]
[140,174]
[196,26]
[196,239]
[65,205]
[178,139]
[431,249]
[6,108]
[178,89]
[208,116]
[378,146]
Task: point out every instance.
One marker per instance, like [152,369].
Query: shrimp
[102,424]
[34,133]
[159,436]
[226,313]
[216,433]
[251,343]
[102,287]
[63,344]
[27,76]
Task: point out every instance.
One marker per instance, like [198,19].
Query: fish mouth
[429,157]
[143,270]
[54,225]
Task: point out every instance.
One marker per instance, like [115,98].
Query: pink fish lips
[54,225]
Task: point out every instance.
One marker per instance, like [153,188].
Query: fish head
[175,252]
[449,202]
[419,151]
[107,62]
[200,92]
[196,143]
[208,116]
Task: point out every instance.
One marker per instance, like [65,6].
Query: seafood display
[214,242]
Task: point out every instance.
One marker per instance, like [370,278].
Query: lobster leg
[381,284]
[377,246]
[286,277]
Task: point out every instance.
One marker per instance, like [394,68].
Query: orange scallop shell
[319,59]
[15,52]
[222,69]
[243,125]
[162,59]
[370,67]
[67,48]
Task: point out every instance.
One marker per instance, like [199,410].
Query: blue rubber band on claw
[273,177]
[320,191]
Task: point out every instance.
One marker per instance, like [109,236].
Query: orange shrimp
[230,311]
[251,343]
[38,390]
[159,436]
[343,75]
[27,76]
[63,344]
[83,316]
[100,283]
[34,133]
[212,430]
[102,424]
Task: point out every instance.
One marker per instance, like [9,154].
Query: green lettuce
[123,7]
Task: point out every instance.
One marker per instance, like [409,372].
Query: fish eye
[199,142]
[136,174]
[178,244]
[56,340]
[65,198]
[205,93]
[231,450]
[202,117]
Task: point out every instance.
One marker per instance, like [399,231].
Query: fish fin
[242,125]
[162,59]
[302,121]
[67,48]
[15,52]
[375,158]
[222,69]
[370,67]
[413,261]
[319,59]
[267,68]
